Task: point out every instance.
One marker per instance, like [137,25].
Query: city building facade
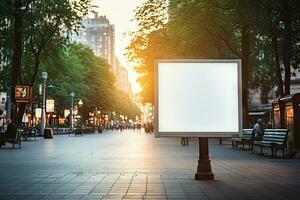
[98,34]
[121,74]
[295,81]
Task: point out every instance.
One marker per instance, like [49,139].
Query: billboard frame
[197,134]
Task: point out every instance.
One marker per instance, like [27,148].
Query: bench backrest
[247,134]
[275,137]
[269,130]
[33,130]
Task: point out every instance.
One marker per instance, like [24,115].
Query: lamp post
[99,117]
[72,94]
[43,114]
[80,117]
[80,103]
[95,117]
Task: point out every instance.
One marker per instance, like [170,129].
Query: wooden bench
[16,140]
[276,139]
[245,139]
[84,130]
[30,132]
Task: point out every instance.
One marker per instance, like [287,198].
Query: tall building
[121,74]
[122,80]
[98,34]
[295,81]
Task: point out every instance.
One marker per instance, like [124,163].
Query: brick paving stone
[127,165]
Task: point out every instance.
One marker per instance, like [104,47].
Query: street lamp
[80,117]
[99,117]
[43,114]
[80,103]
[72,94]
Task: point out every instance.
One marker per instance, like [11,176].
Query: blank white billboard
[198,98]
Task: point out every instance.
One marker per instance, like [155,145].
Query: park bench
[30,132]
[245,139]
[84,130]
[16,140]
[276,139]
[89,130]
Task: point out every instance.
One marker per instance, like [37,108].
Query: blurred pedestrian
[151,127]
[185,141]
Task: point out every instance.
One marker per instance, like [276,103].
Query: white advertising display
[50,105]
[66,113]
[198,98]
[38,112]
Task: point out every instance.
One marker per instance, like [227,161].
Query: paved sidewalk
[130,165]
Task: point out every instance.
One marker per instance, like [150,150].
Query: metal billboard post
[204,171]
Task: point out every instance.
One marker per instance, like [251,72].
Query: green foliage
[66,74]
[46,25]
[5,44]
[124,105]
[4,79]
[218,29]
[149,42]
[44,45]
[30,32]
[76,69]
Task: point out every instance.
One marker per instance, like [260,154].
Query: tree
[188,20]
[262,70]
[66,75]
[232,23]
[5,39]
[284,28]
[263,34]
[149,42]
[38,28]
[76,68]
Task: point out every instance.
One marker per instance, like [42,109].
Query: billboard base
[204,171]
[204,176]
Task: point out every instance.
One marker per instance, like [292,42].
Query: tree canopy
[77,69]
[30,31]
[34,36]
[264,34]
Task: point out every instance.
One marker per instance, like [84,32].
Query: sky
[120,13]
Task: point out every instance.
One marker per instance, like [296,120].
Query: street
[131,165]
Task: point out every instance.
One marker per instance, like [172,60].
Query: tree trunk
[276,56]
[17,54]
[20,113]
[36,67]
[22,107]
[287,47]
[245,72]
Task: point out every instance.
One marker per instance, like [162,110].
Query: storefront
[291,116]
